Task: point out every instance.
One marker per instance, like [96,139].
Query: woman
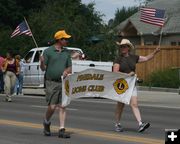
[126,63]
[10,69]
[19,79]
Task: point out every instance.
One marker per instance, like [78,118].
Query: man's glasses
[65,39]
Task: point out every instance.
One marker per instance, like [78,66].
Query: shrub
[168,78]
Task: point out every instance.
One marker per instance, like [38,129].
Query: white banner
[98,83]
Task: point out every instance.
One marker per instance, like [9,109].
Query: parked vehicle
[34,76]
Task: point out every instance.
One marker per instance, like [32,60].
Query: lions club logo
[120,86]
[67,87]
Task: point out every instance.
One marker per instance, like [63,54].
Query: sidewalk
[158,89]
[159,99]
[34,91]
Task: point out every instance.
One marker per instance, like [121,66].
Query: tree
[13,11]
[81,21]
[121,15]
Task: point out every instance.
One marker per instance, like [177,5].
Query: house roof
[172,14]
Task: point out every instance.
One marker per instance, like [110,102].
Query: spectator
[19,79]
[11,69]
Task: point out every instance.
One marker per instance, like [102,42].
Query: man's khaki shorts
[53,92]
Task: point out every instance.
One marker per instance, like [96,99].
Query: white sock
[61,128]
[140,123]
[118,123]
[47,122]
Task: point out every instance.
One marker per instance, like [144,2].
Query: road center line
[91,133]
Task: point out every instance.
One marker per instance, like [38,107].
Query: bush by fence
[168,57]
[168,78]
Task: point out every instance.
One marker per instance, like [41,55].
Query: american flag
[152,16]
[22,28]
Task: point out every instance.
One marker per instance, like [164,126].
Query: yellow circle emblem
[120,85]
[66,85]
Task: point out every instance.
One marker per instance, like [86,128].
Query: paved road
[89,120]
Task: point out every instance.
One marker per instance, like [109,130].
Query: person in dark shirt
[11,70]
[126,63]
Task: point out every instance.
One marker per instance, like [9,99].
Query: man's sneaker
[63,134]
[46,130]
[118,128]
[8,99]
[143,127]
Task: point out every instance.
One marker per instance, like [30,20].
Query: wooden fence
[168,57]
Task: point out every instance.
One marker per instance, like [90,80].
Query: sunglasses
[65,39]
[124,46]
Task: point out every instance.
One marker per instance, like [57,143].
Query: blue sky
[108,7]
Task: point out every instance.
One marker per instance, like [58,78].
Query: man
[57,63]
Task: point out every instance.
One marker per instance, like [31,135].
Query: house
[146,37]
[141,33]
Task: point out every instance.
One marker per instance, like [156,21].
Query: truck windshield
[28,57]
[36,57]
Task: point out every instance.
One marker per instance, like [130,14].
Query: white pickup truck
[34,76]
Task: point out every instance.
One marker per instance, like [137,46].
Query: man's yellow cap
[61,34]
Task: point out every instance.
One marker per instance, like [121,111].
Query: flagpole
[161,32]
[31,32]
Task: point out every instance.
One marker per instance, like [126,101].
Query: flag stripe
[22,28]
[158,24]
[152,16]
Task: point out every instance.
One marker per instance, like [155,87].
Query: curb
[158,89]
[41,91]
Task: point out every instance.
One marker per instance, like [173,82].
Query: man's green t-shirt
[56,62]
